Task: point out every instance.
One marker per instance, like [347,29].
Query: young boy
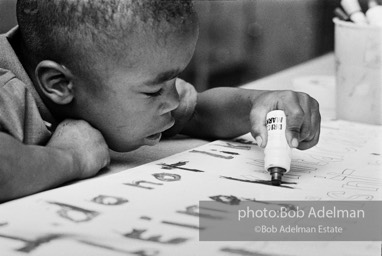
[78,77]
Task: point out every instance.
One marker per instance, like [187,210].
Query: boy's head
[112,63]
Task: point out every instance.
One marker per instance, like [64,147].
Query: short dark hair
[58,29]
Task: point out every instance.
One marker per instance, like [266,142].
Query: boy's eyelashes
[159,92]
[154,94]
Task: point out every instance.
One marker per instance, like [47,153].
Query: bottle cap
[276,175]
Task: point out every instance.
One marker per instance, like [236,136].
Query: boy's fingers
[295,118]
[306,127]
[107,160]
[314,136]
[258,123]
[302,118]
[308,144]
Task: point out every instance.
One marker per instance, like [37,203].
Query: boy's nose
[171,101]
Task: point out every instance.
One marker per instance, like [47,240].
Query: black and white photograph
[191,127]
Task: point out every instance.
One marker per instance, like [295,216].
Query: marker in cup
[353,9]
[374,13]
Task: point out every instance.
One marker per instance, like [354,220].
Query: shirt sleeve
[186,108]
[19,115]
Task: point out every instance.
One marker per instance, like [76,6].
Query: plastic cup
[358,54]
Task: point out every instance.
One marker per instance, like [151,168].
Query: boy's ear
[55,81]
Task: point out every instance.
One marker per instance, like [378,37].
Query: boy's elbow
[9,188]
[4,197]
[6,191]
[9,192]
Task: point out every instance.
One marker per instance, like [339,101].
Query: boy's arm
[75,151]
[220,113]
[230,112]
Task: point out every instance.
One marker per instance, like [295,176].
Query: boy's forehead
[149,59]
[163,41]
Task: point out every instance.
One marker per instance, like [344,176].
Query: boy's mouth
[155,136]
[153,139]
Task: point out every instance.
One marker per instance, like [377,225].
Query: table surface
[323,65]
[23,224]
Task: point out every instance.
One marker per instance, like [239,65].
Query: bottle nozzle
[276,174]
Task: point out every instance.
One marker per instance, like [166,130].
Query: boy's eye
[154,94]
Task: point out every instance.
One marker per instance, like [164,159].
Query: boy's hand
[86,144]
[301,110]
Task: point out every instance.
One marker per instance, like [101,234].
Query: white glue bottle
[374,13]
[278,154]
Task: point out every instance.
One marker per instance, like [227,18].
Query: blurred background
[244,40]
